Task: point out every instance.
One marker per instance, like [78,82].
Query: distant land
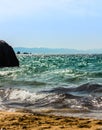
[55,51]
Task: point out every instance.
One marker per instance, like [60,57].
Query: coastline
[20,120]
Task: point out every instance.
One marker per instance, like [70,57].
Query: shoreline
[20,120]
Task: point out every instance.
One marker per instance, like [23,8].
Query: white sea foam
[22,95]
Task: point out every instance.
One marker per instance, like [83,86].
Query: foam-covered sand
[38,121]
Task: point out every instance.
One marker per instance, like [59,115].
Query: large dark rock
[7,55]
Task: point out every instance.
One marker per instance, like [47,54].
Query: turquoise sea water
[55,82]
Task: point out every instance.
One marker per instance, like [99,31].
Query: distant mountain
[56,51]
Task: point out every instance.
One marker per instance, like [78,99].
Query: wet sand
[38,121]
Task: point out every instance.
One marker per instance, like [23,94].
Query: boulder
[7,55]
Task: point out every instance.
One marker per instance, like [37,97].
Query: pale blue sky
[52,23]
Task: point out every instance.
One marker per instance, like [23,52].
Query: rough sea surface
[69,85]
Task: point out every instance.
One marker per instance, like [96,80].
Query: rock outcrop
[7,55]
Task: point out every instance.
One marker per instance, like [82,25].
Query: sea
[66,85]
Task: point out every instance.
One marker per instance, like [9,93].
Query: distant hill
[56,51]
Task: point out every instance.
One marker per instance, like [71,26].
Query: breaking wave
[86,96]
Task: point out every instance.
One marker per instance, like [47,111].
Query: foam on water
[56,98]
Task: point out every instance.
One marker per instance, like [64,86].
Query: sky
[73,24]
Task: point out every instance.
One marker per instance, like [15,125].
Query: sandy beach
[38,121]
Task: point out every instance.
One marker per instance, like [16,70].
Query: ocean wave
[55,98]
[53,81]
[84,88]
[55,69]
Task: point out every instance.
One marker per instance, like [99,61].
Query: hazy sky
[52,23]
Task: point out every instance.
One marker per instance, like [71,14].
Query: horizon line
[60,48]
